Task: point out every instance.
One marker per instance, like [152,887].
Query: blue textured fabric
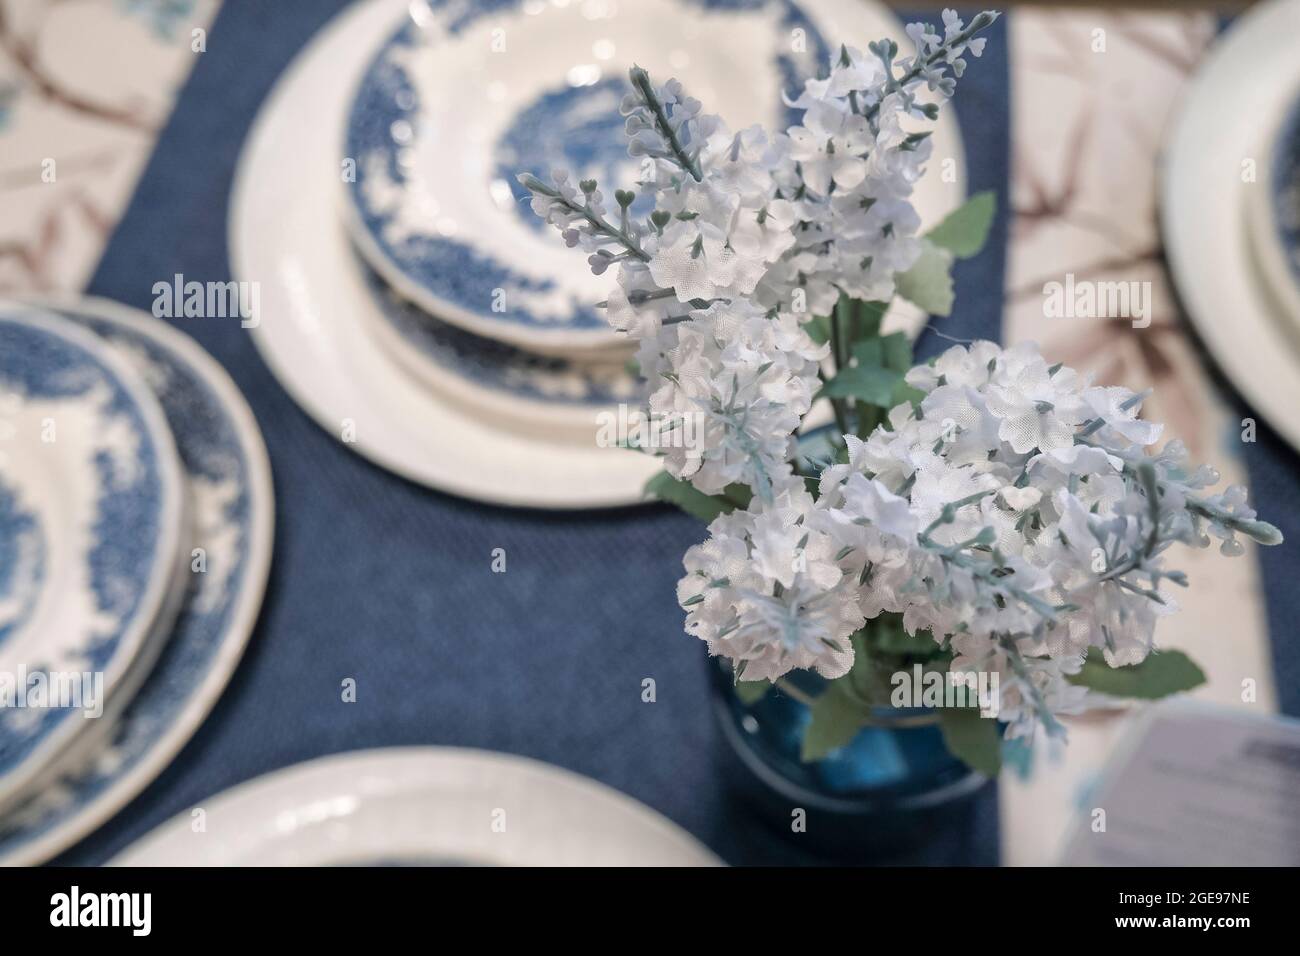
[1274,481]
[390,584]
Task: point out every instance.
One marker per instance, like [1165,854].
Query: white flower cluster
[1014,512]
[753,234]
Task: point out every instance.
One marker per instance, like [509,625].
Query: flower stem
[790,690]
[981,21]
[641,80]
[600,226]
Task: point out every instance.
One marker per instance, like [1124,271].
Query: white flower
[1023,555]
[1119,407]
[751,378]
[697,259]
[1015,513]
[829,147]
[766,591]
[874,503]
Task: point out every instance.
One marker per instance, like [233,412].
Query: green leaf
[876,377]
[837,716]
[896,351]
[870,416]
[929,282]
[1161,674]
[750,692]
[739,495]
[966,229]
[862,318]
[889,638]
[873,384]
[972,739]
[693,501]
[906,393]
[875,373]
[819,329]
[869,352]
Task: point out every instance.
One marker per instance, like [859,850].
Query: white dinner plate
[229,480]
[92,514]
[1227,117]
[439,806]
[316,310]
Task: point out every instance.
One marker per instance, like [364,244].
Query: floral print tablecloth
[85,86]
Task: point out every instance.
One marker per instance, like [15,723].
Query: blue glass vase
[893,785]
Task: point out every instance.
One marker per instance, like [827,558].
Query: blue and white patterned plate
[229,479]
[463,97]
[495,377]
[92,507]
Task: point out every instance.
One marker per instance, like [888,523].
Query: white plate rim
[577,418]
[159,601]
[1204,230]
[266,799]
[558,341]
[248,607]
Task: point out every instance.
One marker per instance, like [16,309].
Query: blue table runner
[391,584]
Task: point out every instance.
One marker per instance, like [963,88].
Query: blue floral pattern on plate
[22,562]
[229,479]
[56,387]
[1286,188]
[574,126]
[499,366]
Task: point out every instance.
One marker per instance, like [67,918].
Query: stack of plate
[1230,208]
[409,295]
[135,539]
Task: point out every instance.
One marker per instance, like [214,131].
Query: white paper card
[1196,785]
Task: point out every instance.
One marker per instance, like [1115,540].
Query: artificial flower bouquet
[986,513]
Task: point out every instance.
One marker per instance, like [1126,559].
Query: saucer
[92,512]
[517,388]
[229,477]
[458,101]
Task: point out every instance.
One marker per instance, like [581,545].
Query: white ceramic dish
[92,518]
[1229,110]
[421,806]
[314,324]
[313,329]
[458,100]
[229,477]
